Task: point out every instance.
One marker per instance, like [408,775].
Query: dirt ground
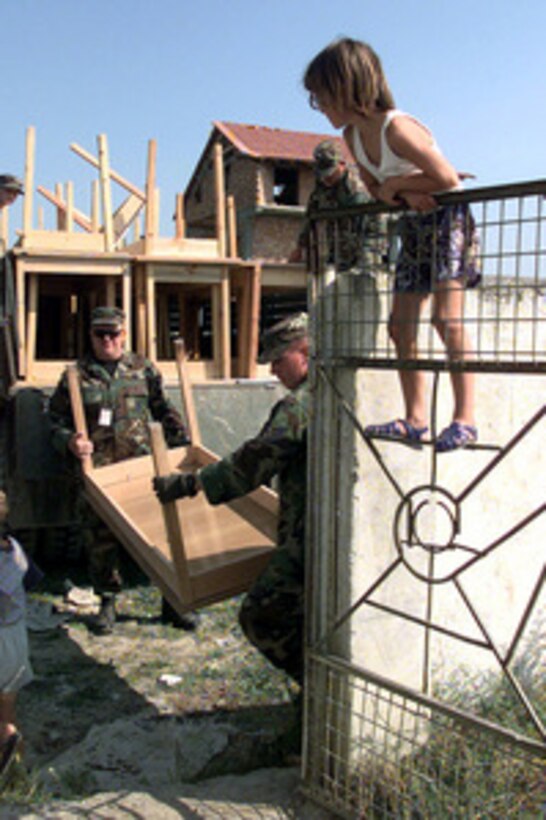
[148,708]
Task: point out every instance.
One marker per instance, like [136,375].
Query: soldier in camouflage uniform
[10,188]
[272,611]
[121,393]
[354,243]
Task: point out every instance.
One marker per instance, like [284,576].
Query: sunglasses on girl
[102,334]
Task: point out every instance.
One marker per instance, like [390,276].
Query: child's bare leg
[8,723]
[403,329]
[448,319]
[463,391]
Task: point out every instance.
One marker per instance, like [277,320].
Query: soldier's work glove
[175,485]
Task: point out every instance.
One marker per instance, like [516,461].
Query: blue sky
[474,72]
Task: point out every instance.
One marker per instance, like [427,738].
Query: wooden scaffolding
[163,284]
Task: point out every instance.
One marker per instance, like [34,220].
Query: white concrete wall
[355,504]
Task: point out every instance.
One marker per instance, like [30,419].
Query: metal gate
[425,693]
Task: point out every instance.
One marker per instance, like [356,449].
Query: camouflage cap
[276,339]
[108,317]
[328,155]
[10,183]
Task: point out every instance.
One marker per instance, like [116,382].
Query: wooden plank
[60,214]
[253,321]
[249,318]
[183,272]
[140,307]
[114,176]
[75,262]
[61,241]
[225,325]
[180,220]
[126,305]
[202,370]
[20,316]
[106,194]
[95,205]
[30,149]
[78,412]
[137,229]
[69,207]
[188,251]
[170,514]
[186,393]
[220,198]
[221,338]
[216,327]
[149,219]
[157,204]
[32,322]
[79,218]
[46,372]
[151,350]
[232,225]
[125,215]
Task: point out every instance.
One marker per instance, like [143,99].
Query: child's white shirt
[13,565]
[390,164]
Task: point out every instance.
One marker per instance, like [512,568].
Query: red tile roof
[262,142]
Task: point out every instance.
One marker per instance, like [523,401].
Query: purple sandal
[390,431]
[455,436]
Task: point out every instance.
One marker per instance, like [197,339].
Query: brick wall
[275,236]
[251,183]
[200,207]
[242,181]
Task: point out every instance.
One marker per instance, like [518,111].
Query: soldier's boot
[105,620]
[189,621]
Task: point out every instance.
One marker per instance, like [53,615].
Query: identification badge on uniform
[105,417]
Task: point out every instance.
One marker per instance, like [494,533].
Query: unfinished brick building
[269,173]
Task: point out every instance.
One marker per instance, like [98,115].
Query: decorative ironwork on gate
[418,554]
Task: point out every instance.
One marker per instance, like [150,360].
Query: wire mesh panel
[426,687]
[497,234]
[370,760]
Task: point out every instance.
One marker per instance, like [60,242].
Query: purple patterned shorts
[436,247]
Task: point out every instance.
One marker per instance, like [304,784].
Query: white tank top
[390,164]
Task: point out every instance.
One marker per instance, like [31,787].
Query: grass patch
[464,770]
[22,787]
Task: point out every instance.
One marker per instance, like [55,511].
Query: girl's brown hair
[348,74]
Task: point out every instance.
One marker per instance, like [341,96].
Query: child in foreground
[15,669]
[400,162]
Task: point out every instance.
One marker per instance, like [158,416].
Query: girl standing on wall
[400,162]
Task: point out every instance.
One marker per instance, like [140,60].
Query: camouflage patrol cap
[10,183]
[276,339]
[327,156]
[108,317]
